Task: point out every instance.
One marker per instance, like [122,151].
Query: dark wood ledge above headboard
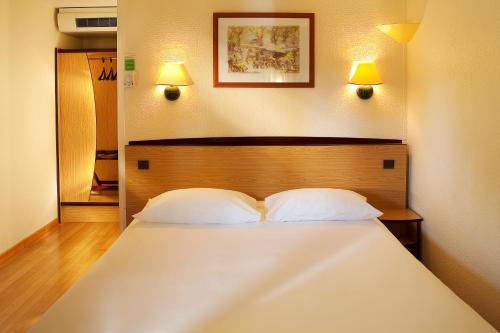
[265,141]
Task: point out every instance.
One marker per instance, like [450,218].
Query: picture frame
[263,50]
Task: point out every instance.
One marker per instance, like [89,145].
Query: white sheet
[294,277]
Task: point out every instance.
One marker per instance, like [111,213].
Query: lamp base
[172,93]
[365,92]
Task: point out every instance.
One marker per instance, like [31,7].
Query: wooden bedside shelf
[400,215]
[405,224]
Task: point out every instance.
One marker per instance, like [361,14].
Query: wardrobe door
[76,126]
[106,111]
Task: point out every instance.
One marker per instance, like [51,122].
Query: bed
[329,276]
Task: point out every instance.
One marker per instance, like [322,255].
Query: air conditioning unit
[87,20]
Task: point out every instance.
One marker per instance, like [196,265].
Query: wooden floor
[37,275]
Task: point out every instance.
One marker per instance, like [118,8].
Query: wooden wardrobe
[86,125]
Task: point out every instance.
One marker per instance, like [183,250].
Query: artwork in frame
[263,50]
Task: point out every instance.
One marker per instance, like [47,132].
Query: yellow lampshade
[365,73]
[174,74]
[401,33]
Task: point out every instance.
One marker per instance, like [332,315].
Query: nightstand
[405,225]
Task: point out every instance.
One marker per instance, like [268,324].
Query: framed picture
[263,50]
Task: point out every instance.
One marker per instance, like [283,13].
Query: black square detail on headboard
[143,164]
[389,164]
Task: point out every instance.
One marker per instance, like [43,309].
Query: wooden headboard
[263,166]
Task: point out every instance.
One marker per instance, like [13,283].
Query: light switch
[143,164]
[389,164]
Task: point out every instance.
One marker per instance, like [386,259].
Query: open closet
[87,135]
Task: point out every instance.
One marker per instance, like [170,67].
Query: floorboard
[37,275]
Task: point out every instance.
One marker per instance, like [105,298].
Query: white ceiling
[84,3]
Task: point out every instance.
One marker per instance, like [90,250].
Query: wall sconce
[173,75]
[365,75]
[400,32]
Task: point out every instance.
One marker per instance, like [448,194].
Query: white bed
[294,277]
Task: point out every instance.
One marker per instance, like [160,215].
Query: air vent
[96,22]
[87,20]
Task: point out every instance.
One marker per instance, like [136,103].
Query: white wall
[28,172]
[454,138]
[345,32]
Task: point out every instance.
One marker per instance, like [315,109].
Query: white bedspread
[321,277]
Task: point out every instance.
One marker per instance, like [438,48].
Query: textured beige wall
[454,138]
[415,10]
[27,120]
[345,32]
[5,208]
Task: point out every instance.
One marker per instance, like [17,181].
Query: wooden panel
[106,111]
[71,214]
[106,169]
[105,101]
[76,120]
[264,170]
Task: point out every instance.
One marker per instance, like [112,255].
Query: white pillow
[200,206]
[318,204]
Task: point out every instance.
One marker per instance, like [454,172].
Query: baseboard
[31,238]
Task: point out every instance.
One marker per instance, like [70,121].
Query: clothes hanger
[103,73]
[111,74]
[114,76]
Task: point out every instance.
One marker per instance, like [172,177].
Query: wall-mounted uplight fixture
[365,75]
[173,75]
[399,32]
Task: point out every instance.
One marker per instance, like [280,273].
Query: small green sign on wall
[129,75]
[129,64]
